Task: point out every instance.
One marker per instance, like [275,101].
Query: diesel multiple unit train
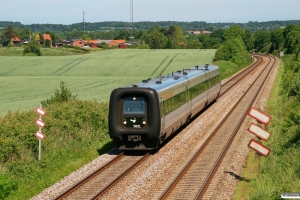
[141,116]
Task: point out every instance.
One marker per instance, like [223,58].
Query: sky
[211,11]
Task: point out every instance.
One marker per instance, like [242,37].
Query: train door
[162,115]
[209,84]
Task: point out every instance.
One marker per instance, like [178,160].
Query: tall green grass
[280,171]
[25,81]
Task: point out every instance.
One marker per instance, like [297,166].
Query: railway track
[99,182]
[103,180]
[201,167]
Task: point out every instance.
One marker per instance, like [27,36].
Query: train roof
[173,78]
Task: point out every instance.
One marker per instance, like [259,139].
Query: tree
[32,48]
[218,33]
[62,95]
[202,37]
[234,32]
[277,39]
[155,38]
[211,43]
[175,34]
[262,40]
[9,32]
[292,39]
[122,34]
[37,38]
[248,40]
[25,34]
[47,43]
[85,37]
[193,44]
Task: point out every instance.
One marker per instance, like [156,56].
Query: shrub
[62,95]
[6,186]
[47,43]
[32,48]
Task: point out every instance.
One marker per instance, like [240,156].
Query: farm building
[47,37]
[15,40]
[75,42]
[111,43]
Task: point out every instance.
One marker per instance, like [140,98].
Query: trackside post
[261,133]
[41,125]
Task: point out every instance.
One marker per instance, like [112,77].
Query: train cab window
[134,105]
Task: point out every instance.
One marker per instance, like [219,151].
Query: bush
[6,186]
[62,95]
[32,48]
[47,43]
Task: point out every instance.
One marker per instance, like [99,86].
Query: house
[116,42]
[207,32]
[91,43]
[124,45]
[195,32]
[15,40]
[47,37]
[75,42]
[199,32]
[111,43]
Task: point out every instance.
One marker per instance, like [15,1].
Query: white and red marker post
[261,134]
[41,125]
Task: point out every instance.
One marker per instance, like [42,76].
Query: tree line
[229,41]
[145,25]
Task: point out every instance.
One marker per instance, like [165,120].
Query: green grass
[280,170]
[25,81]
[18,51]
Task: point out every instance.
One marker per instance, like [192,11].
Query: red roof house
[15,40]
[47,37]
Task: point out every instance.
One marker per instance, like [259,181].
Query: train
[143,115]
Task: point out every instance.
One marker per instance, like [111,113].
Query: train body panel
[167,102]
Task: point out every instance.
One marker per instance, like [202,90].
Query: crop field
[26,81]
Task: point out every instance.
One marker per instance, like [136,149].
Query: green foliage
[234,32]
[193,44]
[291,80]
[292,39]
[233,50]
[280,170]
[122,34]
[32,48]
[85,37]
[103,45]
[62,95]
[47,43]
[211,43]
[261,41]
[76,132]
[277,39]
[9,32]
[155,38]
[6,186]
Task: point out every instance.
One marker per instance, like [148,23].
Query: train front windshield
[134,105]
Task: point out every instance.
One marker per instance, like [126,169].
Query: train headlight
[144,121]
[125,122]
